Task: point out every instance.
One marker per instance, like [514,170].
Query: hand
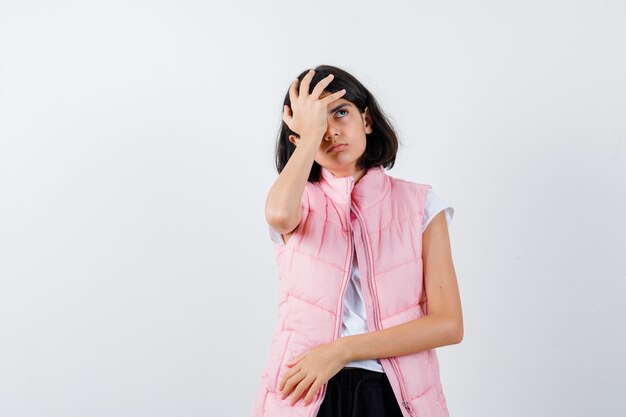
[312,369]
[308,113]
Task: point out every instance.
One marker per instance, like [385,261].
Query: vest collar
[369,190]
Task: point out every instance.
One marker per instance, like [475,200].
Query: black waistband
[349,378]
[355,380]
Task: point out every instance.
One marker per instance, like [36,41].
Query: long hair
[381,145]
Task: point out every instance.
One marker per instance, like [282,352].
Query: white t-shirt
[354,319]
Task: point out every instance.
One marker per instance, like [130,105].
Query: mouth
[337,147]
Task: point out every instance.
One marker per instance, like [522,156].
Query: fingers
[286,377]
[290,383]
[287,114]
[306,111]
[334,96]
[306,81]
[302,386]
[313,389]
[321,85]
[293,90]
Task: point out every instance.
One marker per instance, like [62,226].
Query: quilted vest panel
[380,216]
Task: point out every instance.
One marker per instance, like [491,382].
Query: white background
[137,276]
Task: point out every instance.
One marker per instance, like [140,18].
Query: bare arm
[282,206]
[444,323]
[308,118]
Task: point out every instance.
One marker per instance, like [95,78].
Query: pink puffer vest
[381,216]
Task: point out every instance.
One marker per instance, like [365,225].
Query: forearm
[283,199]
[421,334]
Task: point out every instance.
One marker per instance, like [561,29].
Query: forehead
[338,102]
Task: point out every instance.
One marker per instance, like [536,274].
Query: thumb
[286,116]
[295,360]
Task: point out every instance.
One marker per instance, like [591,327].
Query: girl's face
[347,127]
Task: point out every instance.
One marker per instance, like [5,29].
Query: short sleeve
[434,204]
[275,236]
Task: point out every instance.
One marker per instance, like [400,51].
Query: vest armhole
[424,199]
[305,204]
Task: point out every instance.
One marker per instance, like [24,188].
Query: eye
[341,110]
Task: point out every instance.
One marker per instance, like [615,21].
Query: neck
[357,173]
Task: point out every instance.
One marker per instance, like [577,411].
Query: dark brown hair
[382,143]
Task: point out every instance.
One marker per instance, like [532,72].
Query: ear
[294,139]
[367,121]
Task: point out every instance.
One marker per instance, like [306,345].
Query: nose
[330,133]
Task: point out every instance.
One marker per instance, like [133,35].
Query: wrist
[344,347]
[313,136]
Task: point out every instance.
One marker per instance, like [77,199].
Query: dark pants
[357,392]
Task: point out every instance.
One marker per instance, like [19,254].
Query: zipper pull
[408,407]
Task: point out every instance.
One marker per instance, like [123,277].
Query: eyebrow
[339,107]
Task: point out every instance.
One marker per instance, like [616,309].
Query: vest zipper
[392,361]
[316,408]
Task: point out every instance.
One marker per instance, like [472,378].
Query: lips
[337,147]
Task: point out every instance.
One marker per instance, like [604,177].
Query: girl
[367,284]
